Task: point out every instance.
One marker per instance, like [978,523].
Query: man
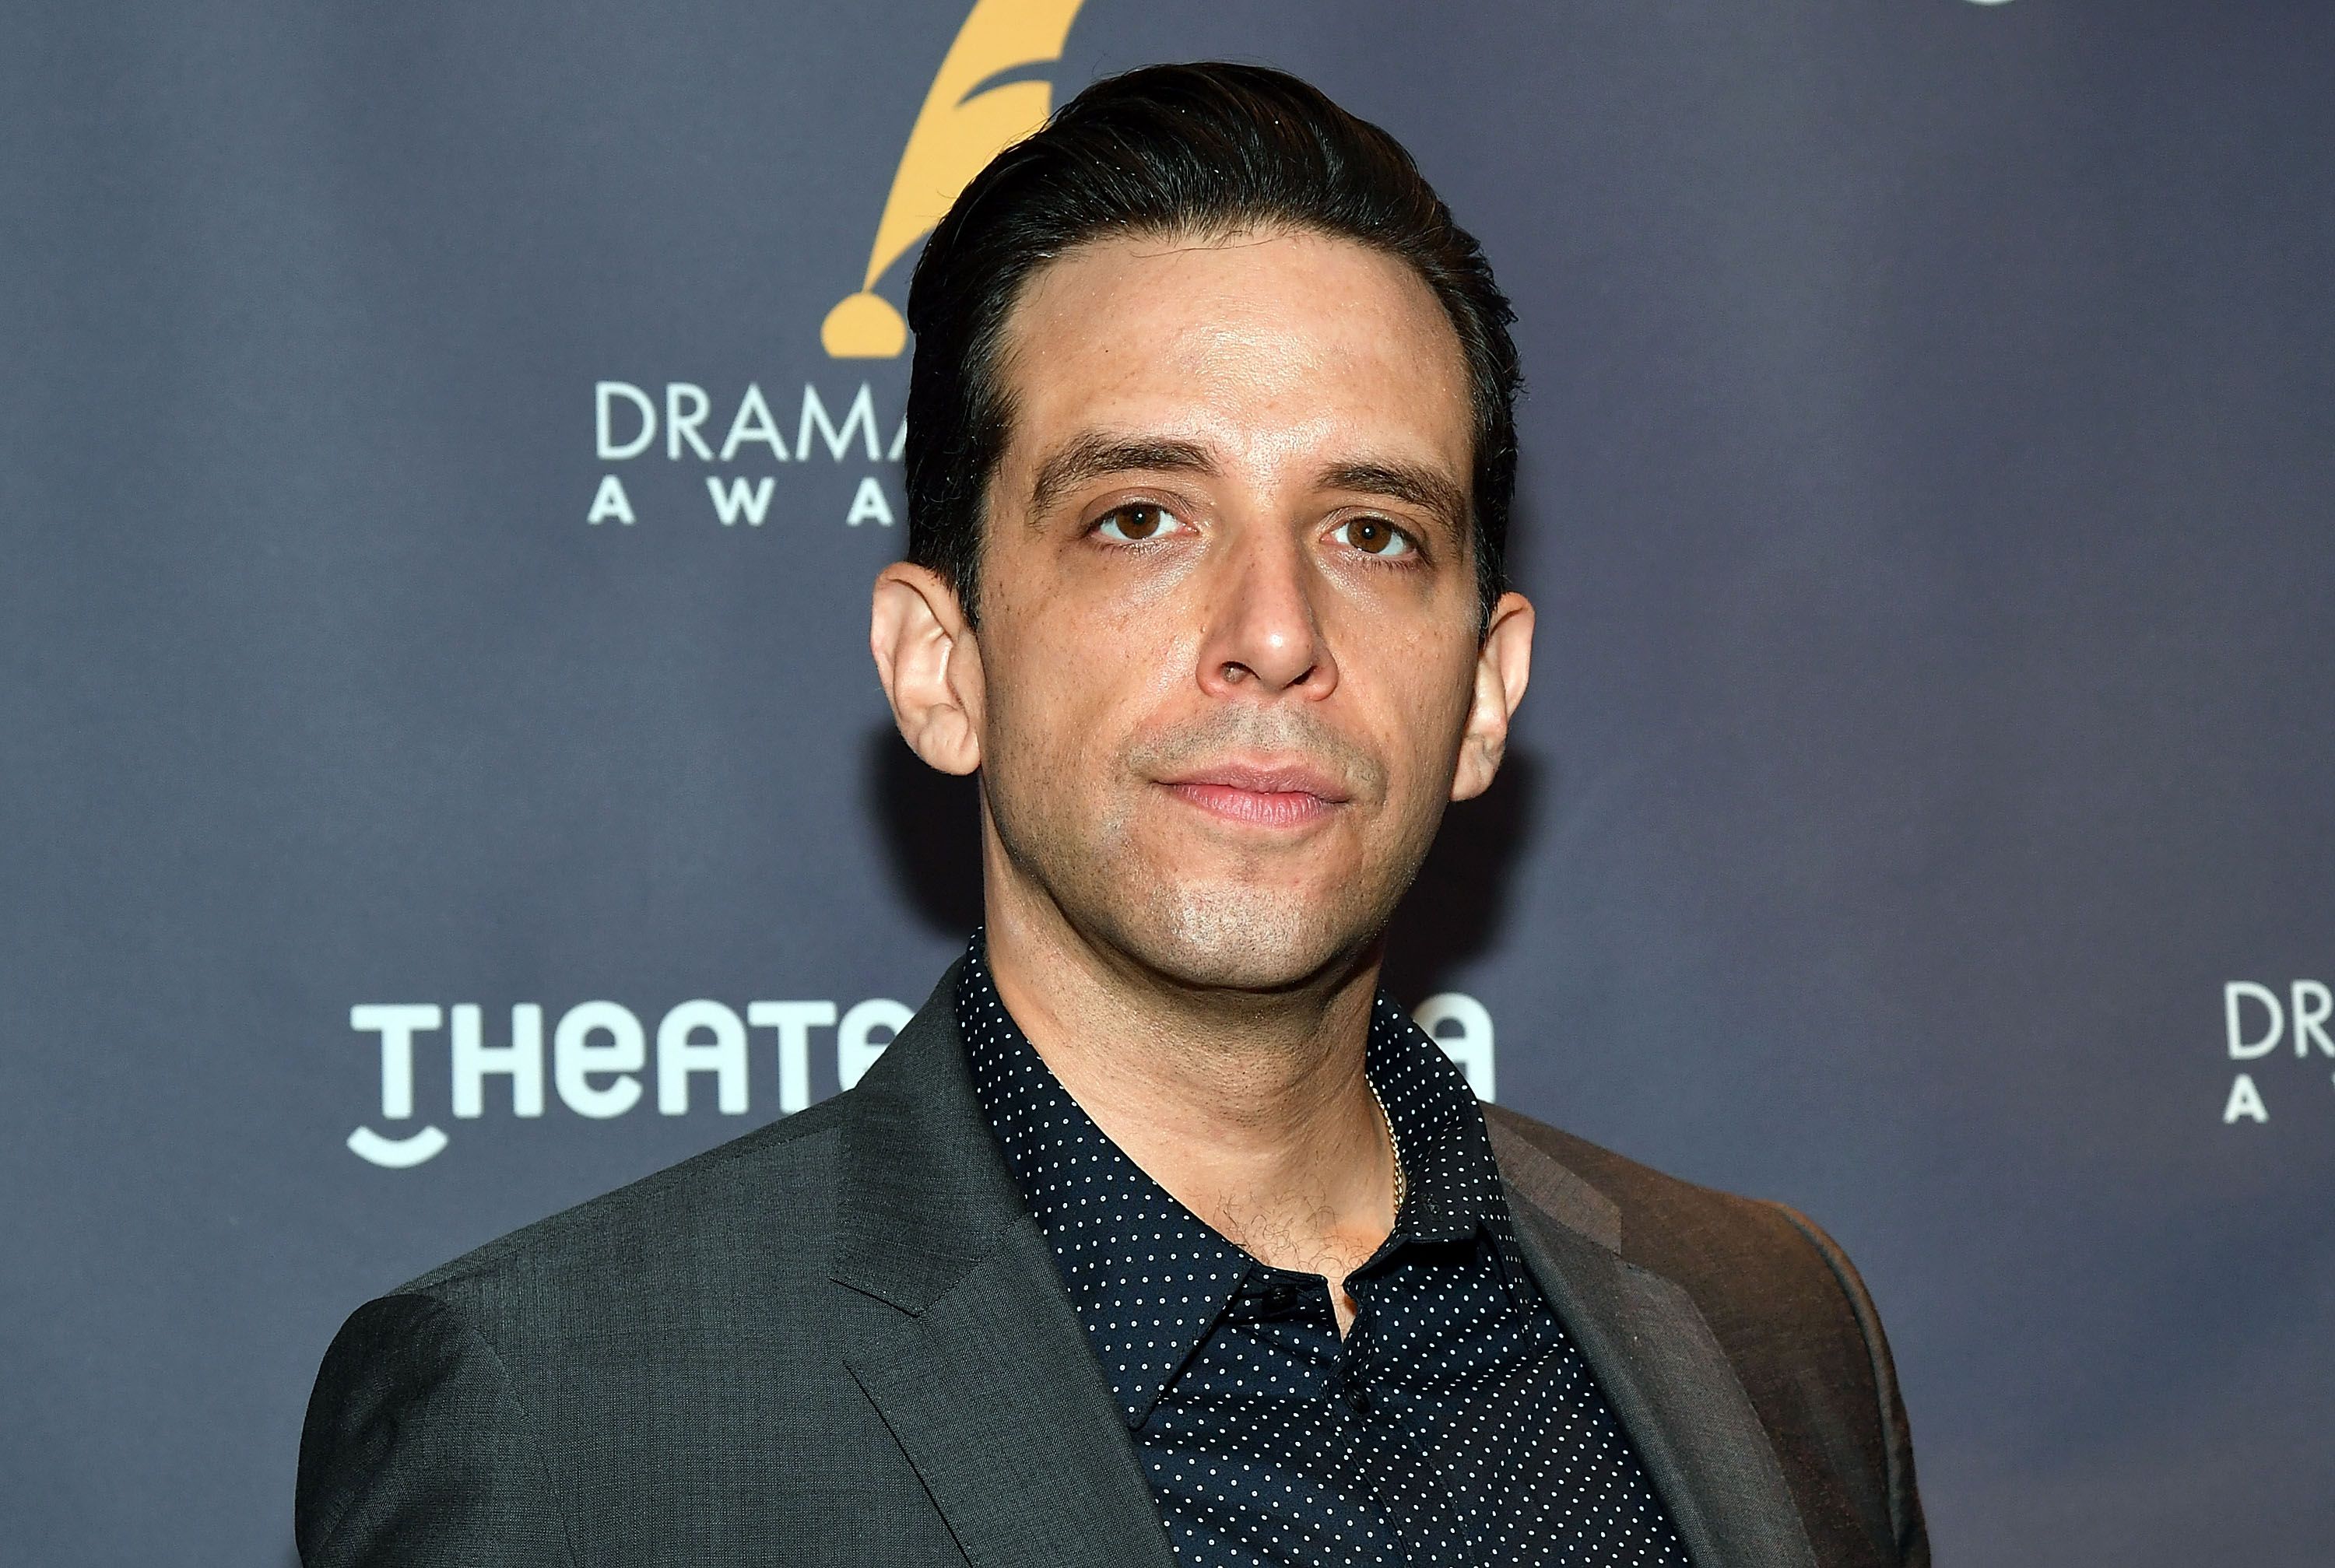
[1158,1234]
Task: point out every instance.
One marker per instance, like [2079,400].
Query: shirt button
[1280,1298]
[1357,1400]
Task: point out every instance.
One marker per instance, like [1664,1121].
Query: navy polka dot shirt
[1455,1423]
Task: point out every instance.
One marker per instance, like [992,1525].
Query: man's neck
[1254,1111]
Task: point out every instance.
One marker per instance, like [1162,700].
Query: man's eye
[1135,524]
[1372,537]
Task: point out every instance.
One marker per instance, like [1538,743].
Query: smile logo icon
[963,125]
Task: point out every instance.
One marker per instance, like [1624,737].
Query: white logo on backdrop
[2257,1020]
[599,1051]
[751,449]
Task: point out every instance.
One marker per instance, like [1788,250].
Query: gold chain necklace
[1401,1183]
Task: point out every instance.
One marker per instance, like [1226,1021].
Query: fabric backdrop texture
[444,449]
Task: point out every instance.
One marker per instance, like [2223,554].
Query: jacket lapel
[957,1329]
[1661,1368]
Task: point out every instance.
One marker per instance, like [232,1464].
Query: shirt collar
[1148,1277]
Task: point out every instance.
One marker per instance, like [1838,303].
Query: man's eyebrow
[1414,483]
[1096,453]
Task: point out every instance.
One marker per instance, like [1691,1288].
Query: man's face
[1229,634]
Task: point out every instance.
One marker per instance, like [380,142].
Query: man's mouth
[1281,795]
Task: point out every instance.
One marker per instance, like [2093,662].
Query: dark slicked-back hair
[1178,151]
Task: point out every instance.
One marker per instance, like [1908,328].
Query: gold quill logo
[961,125]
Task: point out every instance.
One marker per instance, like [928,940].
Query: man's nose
[1265,635]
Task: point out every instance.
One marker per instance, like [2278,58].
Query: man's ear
[930,665]
[1503,667]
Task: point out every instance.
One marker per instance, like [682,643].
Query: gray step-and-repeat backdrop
[443,778]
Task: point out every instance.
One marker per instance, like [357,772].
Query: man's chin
[1239,939]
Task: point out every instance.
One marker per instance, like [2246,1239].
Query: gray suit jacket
[840,1340]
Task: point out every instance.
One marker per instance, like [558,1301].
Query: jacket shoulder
[1651,1217]
[1782,1299]
[660,1362]
[766,1194]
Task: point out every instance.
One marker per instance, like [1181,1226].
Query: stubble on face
[1237,923]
